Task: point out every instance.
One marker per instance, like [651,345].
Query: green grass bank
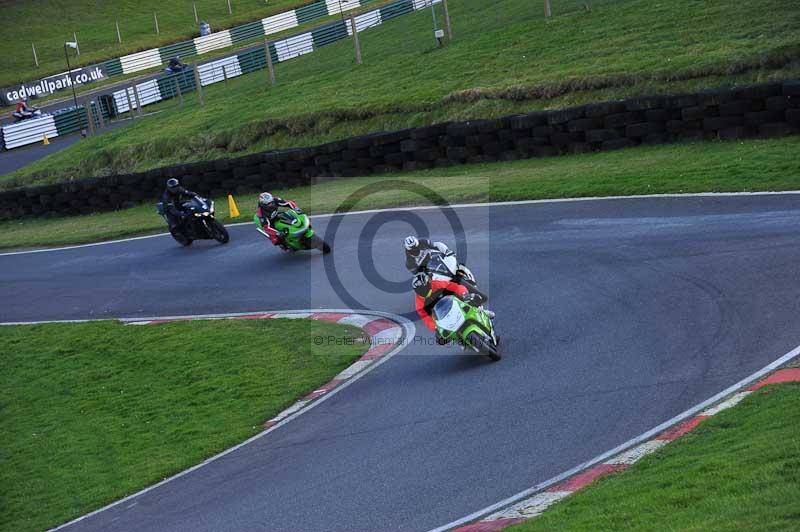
[95,411]
[739,470]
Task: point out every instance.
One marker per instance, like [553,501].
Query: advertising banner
[49,85]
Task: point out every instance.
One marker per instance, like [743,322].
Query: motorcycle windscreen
[299,224]
[448,314]
[438,263]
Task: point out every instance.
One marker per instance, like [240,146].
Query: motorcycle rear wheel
[317,243]
[180,238]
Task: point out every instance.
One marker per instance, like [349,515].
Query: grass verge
[96,411]
[505,58]
[739,470]
[753,165]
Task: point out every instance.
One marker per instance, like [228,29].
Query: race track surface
[615,316]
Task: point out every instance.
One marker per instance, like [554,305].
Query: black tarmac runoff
[614,315]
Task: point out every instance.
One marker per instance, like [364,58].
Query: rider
[419,251]
[22,108]
[429,292]
[172,200]
[175,64]
[266,211]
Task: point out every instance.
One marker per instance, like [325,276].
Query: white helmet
[265,198]
[411,243]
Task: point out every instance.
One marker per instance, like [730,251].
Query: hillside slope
[505,58]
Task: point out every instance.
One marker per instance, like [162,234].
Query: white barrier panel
[280,22]
[294,46]
[215,41]
[140,61]
[422,4]
[339,6]
[29,131]
[366,20]
[217,71]
[148,93]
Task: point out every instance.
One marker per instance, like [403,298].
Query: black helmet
[421,283]
[173,183]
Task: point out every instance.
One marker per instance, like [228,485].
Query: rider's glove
[471,299]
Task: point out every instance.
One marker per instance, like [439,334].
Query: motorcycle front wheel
[485,346]
[317,243]
[218,232]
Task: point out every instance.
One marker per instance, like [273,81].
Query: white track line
[408,330]
[434,207]
[623,447]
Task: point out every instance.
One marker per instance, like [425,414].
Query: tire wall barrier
[757,111]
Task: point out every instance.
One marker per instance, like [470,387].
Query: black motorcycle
[198,222]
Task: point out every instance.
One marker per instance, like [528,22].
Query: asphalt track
[615,315]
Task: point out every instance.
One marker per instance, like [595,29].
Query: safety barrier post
[270,67]
[119,37]
[355,39]
[198,86]
[547,11]
[155,18]
[35,59]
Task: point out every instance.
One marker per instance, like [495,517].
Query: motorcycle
[19,116]
[297,231]
[174,69]
[468,325]
[198,222]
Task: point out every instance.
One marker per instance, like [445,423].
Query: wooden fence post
[447,21]
[130,104]
[270,66]
[355,39]
[198,86]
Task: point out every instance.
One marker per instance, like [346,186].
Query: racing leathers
[438,289]
[266,217]
[172,200]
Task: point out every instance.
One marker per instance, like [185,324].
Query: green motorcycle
[467,325]
[296,228]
